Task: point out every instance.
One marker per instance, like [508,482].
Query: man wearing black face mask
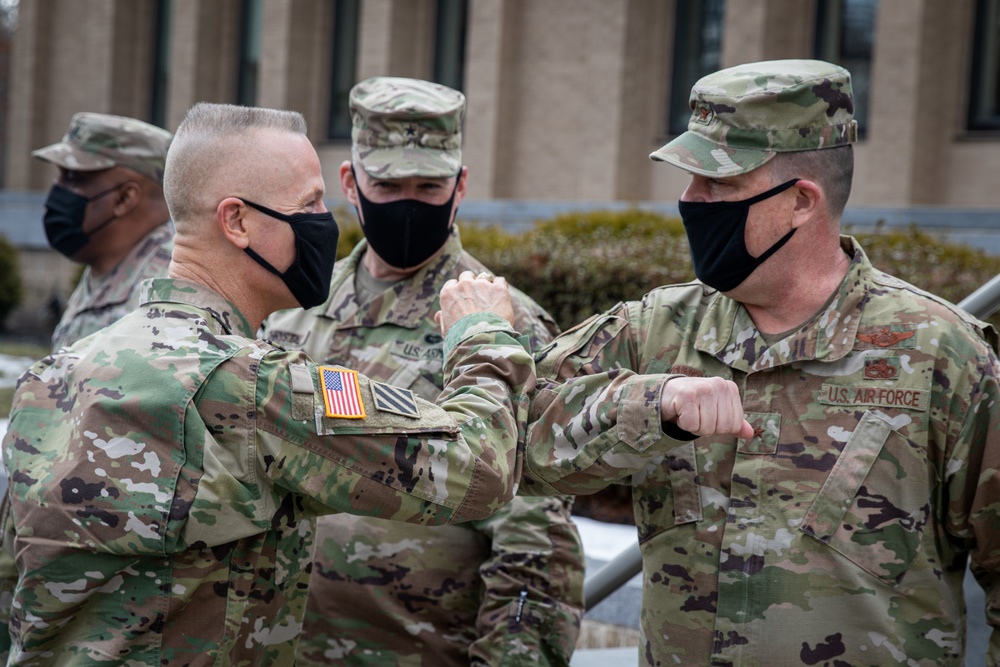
[507,589]
[166,471]
[813,445]
[106,210]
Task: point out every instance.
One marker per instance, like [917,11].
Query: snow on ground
[603,541]
[11,369]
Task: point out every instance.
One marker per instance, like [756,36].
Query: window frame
[690,19]
[828,44]
[451,25]
[976,119]
[248,64]
[343,68]
[160,78]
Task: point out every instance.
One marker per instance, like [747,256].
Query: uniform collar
[728,334]
[405,304]
[225,316]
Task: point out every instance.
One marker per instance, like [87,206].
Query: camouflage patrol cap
[742,116]
[406,127]
[97,141]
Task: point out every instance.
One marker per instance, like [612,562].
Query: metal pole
[984,301]
[612,576]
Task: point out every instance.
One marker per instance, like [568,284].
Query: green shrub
[579,264]
[350,231]
[950,270]
[11,289]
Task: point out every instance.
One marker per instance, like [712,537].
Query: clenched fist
[704,406]
[473,294]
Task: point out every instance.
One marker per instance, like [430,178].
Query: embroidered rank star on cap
[394,399]
[342,393]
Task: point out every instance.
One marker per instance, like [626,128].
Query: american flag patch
[394,399]
[341,393]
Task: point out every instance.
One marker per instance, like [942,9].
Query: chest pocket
[874,505]
[418,367]
[412,379]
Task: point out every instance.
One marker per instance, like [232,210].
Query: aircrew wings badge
[394,399]
[885,337]
[342,393]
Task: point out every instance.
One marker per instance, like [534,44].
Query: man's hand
[704,406]
[473,294]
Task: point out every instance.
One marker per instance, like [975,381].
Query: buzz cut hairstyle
[205,140]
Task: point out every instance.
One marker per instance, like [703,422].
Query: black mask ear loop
[287,219]
[776,190]
[784,239]
[113,216]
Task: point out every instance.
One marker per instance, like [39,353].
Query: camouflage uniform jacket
[165,473]
[97,302]
[385,593]
[839,533]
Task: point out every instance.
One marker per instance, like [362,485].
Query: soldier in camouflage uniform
[504,590]
[165,472]
[106,210]
[834,527]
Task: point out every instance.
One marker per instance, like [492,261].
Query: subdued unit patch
[394,399]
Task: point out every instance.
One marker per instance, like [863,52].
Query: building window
[161,63]
[343,68]
[697,52]
[250,29]
[845,32]
[449,43]
[984,102]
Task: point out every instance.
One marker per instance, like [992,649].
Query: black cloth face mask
[65,211]
[316,236]
[405,232]
[716,234]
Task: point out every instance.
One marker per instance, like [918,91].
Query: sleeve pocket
[674,503]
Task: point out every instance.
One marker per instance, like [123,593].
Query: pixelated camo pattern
[165,475]
[97,302]
[742,116]
[100,141]
[839,533]
[406,127]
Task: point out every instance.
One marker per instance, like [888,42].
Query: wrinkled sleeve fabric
[532,601]
[451,463]
[533,586]
[593,419]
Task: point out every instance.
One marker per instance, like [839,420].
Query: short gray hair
[206,141]
[832,168]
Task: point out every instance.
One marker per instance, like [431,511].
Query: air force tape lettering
[342,393]
[886,397]
[394,399]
